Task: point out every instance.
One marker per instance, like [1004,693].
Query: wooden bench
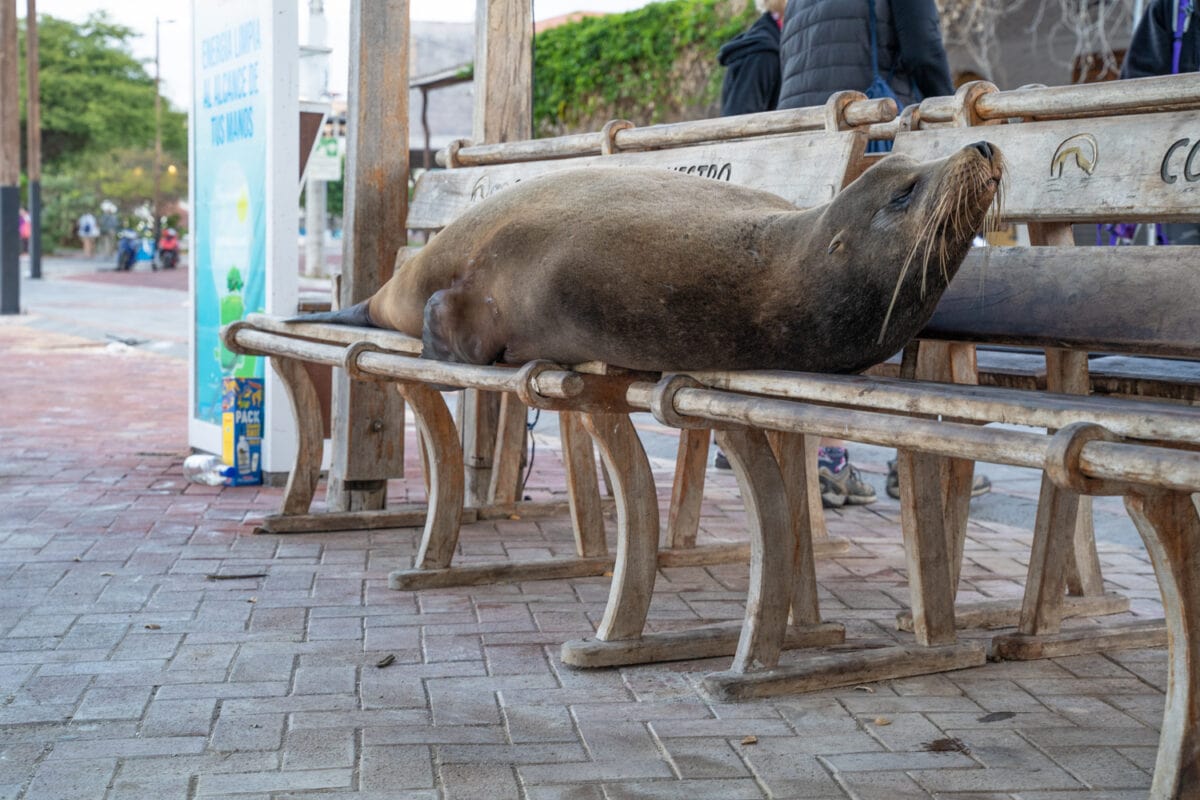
[1095,446]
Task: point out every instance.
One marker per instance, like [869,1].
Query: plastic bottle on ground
[207,469]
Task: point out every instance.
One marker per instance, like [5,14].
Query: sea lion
[656,270]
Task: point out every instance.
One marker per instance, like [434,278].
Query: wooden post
[33,137]
[503,106]
[10,162]
[368,418]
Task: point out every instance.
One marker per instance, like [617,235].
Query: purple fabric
[1185,8]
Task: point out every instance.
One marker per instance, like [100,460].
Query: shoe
[841,483]
[980,485]
[721,462]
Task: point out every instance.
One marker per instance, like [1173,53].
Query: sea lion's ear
[836,244]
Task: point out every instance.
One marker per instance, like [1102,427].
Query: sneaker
[980,485]
[841,483]
[721,462]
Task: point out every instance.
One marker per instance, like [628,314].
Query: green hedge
[655,64]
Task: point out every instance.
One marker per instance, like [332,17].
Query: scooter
[168,249]
[128,245]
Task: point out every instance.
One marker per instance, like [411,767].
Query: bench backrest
[1129,167]
[803,155]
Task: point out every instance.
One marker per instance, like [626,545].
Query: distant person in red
[25,228]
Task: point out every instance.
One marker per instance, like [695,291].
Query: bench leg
[772,548]
[687,492]
[1053,546]
[927,540]
[444,476]
[506,460]
[479,414]
[795,454]
[1064,556]
[1170,526]
[1067,373]
[306,410]
[583,487]
[637,526]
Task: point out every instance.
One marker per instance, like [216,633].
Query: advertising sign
[244,156]
[230,220]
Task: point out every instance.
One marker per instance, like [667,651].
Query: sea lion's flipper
[452,333]
[356,314]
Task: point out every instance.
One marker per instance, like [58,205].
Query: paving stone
[587,791]
[325,680]
[722,789]
[179,717]
[121,702]
[265,782]
[881,786]
[485,782]
[395,767]
[537,753]
[318,749]
[239,732]
[85,778]
[1099,767]
[539,724]
[705,758]
[598,771]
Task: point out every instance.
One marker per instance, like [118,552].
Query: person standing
[752,65]
[1166,41]
[826,47]
[108,228]
[88,231]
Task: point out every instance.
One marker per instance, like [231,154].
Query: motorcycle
[128,246]
[168,249]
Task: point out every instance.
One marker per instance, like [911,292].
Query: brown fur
[656,270]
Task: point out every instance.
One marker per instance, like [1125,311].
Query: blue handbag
[879,87]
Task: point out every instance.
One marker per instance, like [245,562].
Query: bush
[655,64]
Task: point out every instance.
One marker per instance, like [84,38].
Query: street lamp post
[10,162]
[33,139]
[157,133]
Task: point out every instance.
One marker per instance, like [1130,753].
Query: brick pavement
[126,673]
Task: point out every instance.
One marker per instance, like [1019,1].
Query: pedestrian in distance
[88,232]
[109,224]
[752,65]
[24,229]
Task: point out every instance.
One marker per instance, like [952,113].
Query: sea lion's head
[916,221]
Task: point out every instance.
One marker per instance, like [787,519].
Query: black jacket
[751,61]
[1151,48]
[826,48]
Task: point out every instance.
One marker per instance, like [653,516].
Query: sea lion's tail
[356,314]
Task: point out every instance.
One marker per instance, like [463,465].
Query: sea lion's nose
[984,149]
